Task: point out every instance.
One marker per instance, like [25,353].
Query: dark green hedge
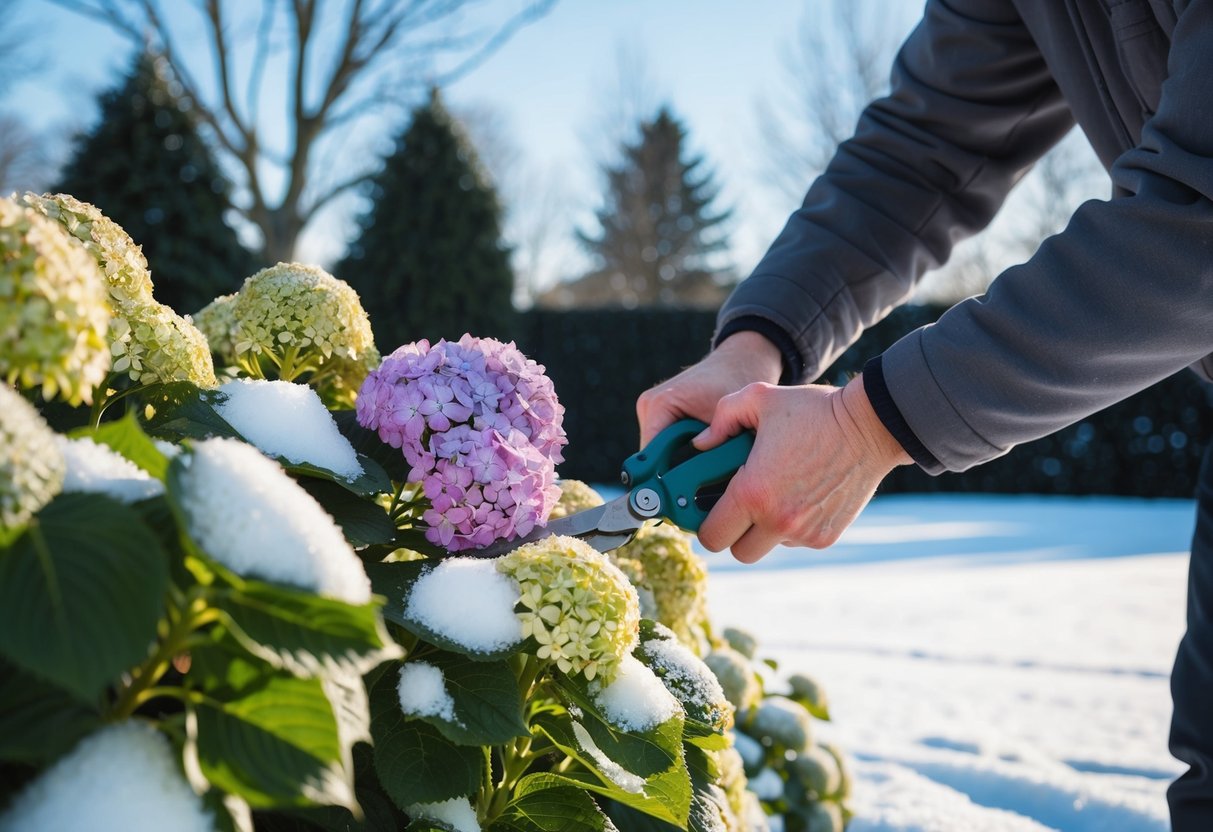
[601,360]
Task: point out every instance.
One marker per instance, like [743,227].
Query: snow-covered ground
[994,664]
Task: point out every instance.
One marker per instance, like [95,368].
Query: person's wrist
[760,358]
[879,443]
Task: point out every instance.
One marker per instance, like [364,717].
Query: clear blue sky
[712,60]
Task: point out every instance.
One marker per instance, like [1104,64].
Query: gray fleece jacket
[1122,298]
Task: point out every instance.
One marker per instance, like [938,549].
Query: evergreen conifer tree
[430,261]
[658,229]
[145,166]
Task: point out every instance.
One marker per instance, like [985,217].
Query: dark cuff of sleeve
[888,413]
[793,364]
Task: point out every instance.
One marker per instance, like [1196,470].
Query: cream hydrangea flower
[575,496]
[31,465]
[298,318]
[576,604]
[151,343]
[53,314]
[663,562]
[217,323]
[121,261]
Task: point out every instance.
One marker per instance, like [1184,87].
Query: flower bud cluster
[480,426]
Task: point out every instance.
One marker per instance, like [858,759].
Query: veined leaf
[415,763]
[300,632]
[666,797]
[81,592]
[266,736]
[38,721]
[557,808]
[487,703]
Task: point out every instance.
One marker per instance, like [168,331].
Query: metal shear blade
[604,527]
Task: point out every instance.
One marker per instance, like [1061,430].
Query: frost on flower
[53,310]
[469,602]
[456,813]
[295,319]
[480,426]
[217,323]
[287,420]
[576,604]
[688,678]
[243,510]
[94,468]
[123,778]
[575,496]
[660,560]
[31,465]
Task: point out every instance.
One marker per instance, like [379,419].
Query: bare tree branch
[343,59]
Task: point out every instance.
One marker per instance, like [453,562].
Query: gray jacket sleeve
[1122,298]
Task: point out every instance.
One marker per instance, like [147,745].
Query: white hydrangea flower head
[217,323]
[338,385]
[575,496]
[31,465]
[667,566]
[294,311]
[53,310]
[576,604]
[121,261]
[244,511]
[123,778]
[151,343]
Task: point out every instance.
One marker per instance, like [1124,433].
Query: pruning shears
[667,479]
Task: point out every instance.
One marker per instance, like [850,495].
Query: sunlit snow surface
[994,664]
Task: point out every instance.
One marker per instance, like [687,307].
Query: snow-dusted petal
[469,602]
[95,468]
[247,513]
[121,779]
[289,421]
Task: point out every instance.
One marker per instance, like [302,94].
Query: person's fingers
[725,524]
[734,413]
[754,544]
[655,412]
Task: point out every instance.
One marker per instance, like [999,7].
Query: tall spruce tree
[145,166]
[430,261]
[658,226]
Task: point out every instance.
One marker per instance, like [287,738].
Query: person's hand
[818,455]
[740,359]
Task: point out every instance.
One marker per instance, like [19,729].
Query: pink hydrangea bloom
[480,426]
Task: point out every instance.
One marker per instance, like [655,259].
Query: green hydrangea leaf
[554,808]
[266,736]
[367,443]
[81,593]
[665,798]
[182,410]
[38,721]
[488,708]
[363,522]
[414,762]
[300,632]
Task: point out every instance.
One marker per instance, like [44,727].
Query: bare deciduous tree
[22,157]
[326,66]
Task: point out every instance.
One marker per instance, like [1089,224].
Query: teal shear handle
[670,479]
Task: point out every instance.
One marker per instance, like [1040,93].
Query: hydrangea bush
[255,604]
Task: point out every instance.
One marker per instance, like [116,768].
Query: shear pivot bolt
[682,502]
[646,502]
